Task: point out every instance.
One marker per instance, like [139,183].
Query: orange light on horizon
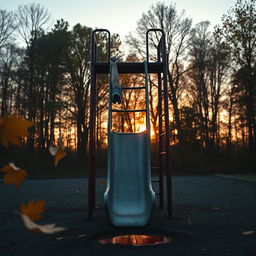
[141,127]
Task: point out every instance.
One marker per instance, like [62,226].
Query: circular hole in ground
[136,240]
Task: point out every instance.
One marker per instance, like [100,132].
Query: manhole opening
[136,240]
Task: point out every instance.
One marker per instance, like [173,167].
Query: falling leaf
[82,235]
[189,221]
[13,174]
[33,210]
[12,128]
[216,208]
[249,232]
[47,229]
[58,152]
[60,238]
[101,182]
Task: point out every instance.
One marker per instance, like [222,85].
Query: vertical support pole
[166,116]
[92,146]
[160,129]
[167,132]
[92,123]
[160,140]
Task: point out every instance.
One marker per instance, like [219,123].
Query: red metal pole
[92,122]
[92,153]
[167,133]
[160,141]
[160,130]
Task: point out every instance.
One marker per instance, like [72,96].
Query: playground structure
[129,197]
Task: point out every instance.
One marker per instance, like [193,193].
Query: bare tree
[209,56]
[218,67]
[8,57]
[7,26]
[177,29]
[32,18]
[239,29]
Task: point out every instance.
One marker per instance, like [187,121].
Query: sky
[121,16]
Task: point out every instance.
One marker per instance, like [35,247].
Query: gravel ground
[211,213]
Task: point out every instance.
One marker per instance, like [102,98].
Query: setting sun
[141,127]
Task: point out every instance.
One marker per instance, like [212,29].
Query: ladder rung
[128,110]
[163,153]
[133,88]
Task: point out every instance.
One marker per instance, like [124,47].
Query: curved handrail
[93,56]
[162,38]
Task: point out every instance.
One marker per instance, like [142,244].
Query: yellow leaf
[58,152]
[13,175]
[59,155]
[46,229]
[33,210]
[12,128]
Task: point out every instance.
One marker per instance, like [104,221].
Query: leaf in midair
[60,238]
[189,222]
[77,190]
[249,232]
[46,229]
[33,210]
[13,175]
[58,152]
[82,235]
[12,128]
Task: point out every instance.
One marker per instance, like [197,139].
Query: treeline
[211,81]
[47,80]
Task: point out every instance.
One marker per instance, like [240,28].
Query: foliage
[58,152]
[239,29]
[33,210]
[211,80]
[46,229]
[11,128]
[13,175]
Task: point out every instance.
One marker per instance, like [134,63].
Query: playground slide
[129,197]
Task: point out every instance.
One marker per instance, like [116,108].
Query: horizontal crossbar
[128,110]
[133,88]
[128,67]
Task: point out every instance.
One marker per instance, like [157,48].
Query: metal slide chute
[129,197]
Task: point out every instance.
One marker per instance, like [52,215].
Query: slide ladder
[156,64]
[129,197]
